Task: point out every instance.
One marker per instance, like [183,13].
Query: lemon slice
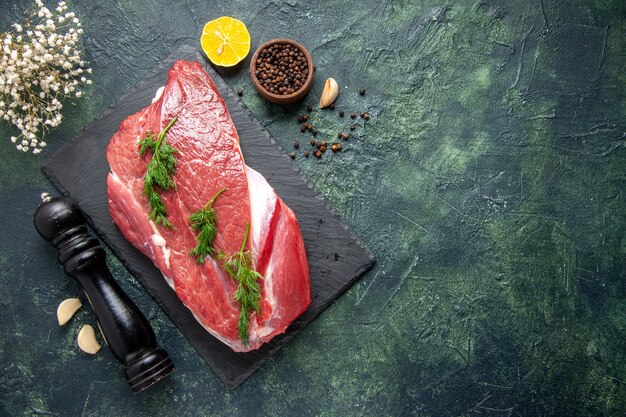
[225,41]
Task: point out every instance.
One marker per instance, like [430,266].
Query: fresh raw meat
[208,160]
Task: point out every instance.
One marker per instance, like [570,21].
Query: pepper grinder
[125,329]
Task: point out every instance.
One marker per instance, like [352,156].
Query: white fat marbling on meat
[261,195]
[166,256]
[158,94]
[158,240]
[262,198]
[156,236]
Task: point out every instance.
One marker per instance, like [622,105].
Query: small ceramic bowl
[279,98]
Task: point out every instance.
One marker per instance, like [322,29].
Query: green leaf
[248,292]
[205,221]
[159,172]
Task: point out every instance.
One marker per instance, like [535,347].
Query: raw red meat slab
[209,159]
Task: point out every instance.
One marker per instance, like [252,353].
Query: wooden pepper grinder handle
[125,329]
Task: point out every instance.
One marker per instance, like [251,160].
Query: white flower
[40,65]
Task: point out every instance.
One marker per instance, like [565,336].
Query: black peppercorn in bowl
[282,71]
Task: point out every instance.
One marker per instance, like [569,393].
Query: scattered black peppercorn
[296,145]
[300,119]
[302,129]
[306,154]
[240,92]
[305,117]
[309,109]
[324,143]
[352,127]
[339,135]
[312,142]
[314,132]
[282,69]
[353,116]
[345,136]
[292,155]
[322,148]
[341,113]
[317,154]
[366,116]
[362,91]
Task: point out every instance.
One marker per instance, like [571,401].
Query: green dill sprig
[159,172]
[248,293]
[205,221]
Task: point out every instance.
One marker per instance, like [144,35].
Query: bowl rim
[282,97]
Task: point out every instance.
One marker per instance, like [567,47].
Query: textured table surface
[489,184]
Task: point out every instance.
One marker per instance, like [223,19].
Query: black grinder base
[148,369]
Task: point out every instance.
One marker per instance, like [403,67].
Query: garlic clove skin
[87,340]
[330,93]
[67,309]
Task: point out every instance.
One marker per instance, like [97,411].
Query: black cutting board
[336,257]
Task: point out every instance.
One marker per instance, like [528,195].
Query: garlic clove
[330,93]
[87,340]
[67,309]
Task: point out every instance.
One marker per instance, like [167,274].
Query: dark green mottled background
[489,183]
